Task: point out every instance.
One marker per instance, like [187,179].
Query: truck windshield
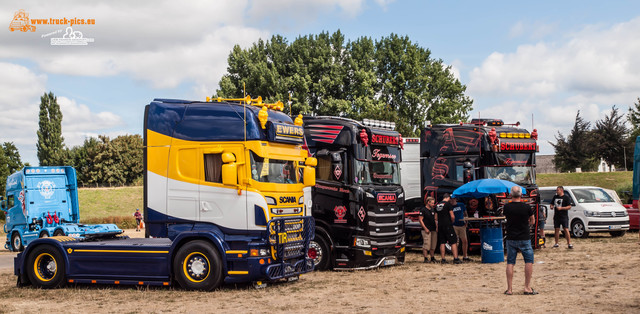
[273,170]
[519,175]
[592,196]
[376,172]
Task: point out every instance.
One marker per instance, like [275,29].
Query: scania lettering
[357,200]
[214,172]
[43,202]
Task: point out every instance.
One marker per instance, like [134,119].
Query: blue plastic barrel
[492,247]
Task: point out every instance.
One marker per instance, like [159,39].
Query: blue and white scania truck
[43,201]
[223,202]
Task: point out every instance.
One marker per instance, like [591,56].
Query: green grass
[103,202]
[608,180]
[117,205]
[110,205]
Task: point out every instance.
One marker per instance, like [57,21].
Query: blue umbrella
[484,187]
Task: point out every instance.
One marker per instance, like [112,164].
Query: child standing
[138,216]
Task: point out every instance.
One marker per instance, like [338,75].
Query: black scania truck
[357,200]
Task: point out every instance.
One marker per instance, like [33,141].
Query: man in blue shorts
[519,217]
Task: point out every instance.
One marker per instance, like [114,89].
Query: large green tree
[50,143]
[634,118]
[575,150]
[388,79]
[10,162]
[610,139]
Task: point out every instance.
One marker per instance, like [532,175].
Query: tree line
[98,161]
[608,139]
[391,79]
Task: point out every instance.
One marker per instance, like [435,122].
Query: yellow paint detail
[36,268]
[69,250]
[62,238]
[120,251]
[263,116]
[238,272]
[236,252]
[186,273]
[282,237]
[187,159]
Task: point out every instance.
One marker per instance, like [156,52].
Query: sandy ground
[600,275]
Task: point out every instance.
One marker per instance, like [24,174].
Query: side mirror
[309,176]
[311,162]
[229,169]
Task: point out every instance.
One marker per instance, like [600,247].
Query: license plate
[390,261]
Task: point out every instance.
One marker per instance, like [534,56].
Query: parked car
[593,209]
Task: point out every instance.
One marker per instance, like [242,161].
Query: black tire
[44,234]
[45,267]
[320,252]
[198,266]
[16,242]
[58,232]
[617,233]
[578,229]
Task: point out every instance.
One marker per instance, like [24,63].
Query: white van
[592,210]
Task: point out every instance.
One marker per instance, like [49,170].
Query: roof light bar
[379,124]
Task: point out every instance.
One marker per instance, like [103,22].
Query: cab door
[220,204]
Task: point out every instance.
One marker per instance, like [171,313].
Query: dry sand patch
[600,275]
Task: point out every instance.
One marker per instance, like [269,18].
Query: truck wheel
[319,252]
[617,233]
[198,266]
[44,234]
[16,242]
[578,229]
[45,267]
[58,232]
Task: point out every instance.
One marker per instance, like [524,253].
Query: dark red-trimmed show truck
[357,200]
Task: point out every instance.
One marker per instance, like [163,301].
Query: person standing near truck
[429,231]
[519,217]
[138,217]
[561,203]
[542,218]
[446,234]
[460,226]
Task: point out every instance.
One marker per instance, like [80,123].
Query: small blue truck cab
[43,201]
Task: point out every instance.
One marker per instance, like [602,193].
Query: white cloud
[78,122]
[532,30]
[165,43]
[20,92]
[594,60]
[589,71]
[19,98]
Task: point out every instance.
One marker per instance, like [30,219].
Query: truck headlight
[361,242]
[270,200]
[401,195]
[368,194]
[301,200]
[589,213]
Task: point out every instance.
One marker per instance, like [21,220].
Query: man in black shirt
[446,233]
[519,216]
[561,203]
[429,232]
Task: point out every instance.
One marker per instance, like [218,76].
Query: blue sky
[543,59]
